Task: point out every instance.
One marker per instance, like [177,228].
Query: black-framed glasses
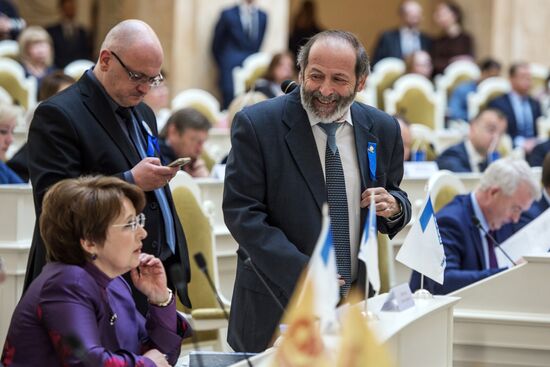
[153,81]
[139,220]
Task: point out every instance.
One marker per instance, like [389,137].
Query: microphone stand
[477,223]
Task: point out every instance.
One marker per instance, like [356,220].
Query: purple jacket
[78,316]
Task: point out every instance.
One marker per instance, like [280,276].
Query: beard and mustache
[336,107]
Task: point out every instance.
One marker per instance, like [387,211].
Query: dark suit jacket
[76,133]
[463,248]
[69,49]
[273,195]
[536,157]
[455,159]
[503,104]
[231,45]
[389,45]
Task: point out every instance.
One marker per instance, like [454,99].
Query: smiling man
[507,188]
[289,156]
[100,125]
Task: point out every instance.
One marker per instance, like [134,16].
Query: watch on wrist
[167,302]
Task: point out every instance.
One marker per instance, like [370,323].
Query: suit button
[155,244]
[153,206]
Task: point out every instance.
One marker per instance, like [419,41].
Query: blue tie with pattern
[338,205]
[137,138]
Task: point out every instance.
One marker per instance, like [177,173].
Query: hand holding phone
[180,162]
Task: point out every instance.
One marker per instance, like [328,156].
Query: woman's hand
[150,279]
[157,357]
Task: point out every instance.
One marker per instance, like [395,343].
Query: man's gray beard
[341,108]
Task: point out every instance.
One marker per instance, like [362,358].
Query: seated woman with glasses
[80,311]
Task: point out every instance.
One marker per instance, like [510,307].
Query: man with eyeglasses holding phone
[100,125]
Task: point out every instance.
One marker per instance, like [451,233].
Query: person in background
[406,136]
[8,120]
[238,34]
[406,39]
[419,62]
[454,44]
[10,21]
[521,110]
[158,99]
[36,53]
[480,148]
[507,188]
[280,68]
[304,26]
[540,205]
[51,85]
[458,101]
[80,310]
[186,131]
[70,40]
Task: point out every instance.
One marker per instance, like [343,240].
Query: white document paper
[533,239]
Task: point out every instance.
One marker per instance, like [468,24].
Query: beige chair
[254,66]
[454,74]
[10,49]
[413,96]
[539,73]
[487,90]
[443,187]
[76,68]
[206,317]
[13,80]
[200,100]
[384,74]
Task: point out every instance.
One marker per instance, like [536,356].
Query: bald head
[130,34]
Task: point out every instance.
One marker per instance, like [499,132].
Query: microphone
[201,263]
[288,86]
[245,257]
[177,275]
[477,223]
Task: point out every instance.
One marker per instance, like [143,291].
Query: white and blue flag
[422,250]
[368,249]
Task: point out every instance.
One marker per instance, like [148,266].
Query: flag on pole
[422,249]
[323,274]
[368,250]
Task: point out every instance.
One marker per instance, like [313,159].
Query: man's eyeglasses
[153,81]
[139,220]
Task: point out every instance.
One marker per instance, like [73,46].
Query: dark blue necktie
[528,122]
[338,205]
[137,138]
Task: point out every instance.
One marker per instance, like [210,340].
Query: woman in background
[36,53]
[8,120]
[280,69]
[79,310]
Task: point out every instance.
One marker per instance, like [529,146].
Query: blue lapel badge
[371,152]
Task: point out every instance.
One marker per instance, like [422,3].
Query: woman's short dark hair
[82,208]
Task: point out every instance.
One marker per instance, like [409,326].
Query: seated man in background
[458,101]
[479,149]
[507,188]
[185,133]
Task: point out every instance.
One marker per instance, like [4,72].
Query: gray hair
[507,174]
[361,63]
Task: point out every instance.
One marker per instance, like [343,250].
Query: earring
[94,256]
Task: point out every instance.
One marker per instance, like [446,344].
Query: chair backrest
[454,74]
[443,187]
[254,66]
[5,97]
[413,96]
[424,138]
[539,73]
[200,100]
[199,236]
[384,74]
[76,68]
[487,90]
[9,48]
[13,80]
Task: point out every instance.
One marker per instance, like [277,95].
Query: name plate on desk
[419,169]
[399,299]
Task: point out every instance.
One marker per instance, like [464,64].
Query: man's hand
[386,205]
[149,174]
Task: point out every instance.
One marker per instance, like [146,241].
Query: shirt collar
[473,155]
[100,277]
[314,121]
[478,213]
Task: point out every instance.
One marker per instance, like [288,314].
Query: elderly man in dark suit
[99,125]
[238,34]
[405,40]
[521,110]
[507,188]
[289,156]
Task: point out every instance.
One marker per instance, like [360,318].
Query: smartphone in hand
[180,162]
